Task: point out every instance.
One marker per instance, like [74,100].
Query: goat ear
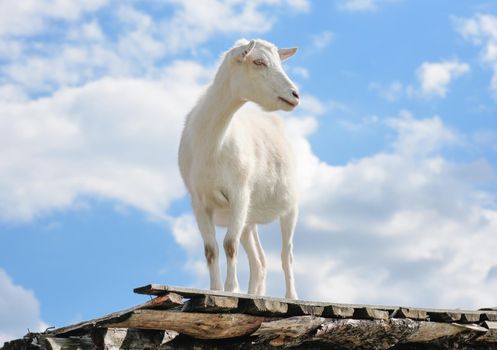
[286,53]
[244,51]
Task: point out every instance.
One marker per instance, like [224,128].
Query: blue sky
[396,139]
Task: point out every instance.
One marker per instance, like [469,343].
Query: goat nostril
[295,94]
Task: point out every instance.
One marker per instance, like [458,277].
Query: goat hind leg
[251,244]
[261,284]
[287,223]
[239,209]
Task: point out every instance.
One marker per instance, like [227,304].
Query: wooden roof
[185,318]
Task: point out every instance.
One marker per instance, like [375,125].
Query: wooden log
[491,335]
[290,331]
[263,307]
[198,325]
[371,314]
[384,334]
[211,303]
[363,334]
[429,331]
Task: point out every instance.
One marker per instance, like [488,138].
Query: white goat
[239,169]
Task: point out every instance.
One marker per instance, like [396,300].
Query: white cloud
[300,71]
[362,5]
[19,310]
[481,30]
[435,77]
[391,92]
[399,222]
[322,40]
[83,48]
[32,16]
[400,216]
[112,138]
[357,5]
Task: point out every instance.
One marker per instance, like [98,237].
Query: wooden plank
[262,306]
[413,314]
[88,325]
[166,301]
[158,289]
[489,316]
[337,311]
[299,307]
[445,316]
[470,317]
[198,325]
[371,314]
[296,309]
[211,303]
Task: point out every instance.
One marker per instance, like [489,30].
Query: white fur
[239,168]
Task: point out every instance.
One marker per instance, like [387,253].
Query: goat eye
[260,63]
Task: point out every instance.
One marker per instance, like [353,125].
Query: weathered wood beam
[290,331]
[211,303]
[354,333]
[413,314]
[489,316]
[445,316]
[300,309]
[491,335]
[125,338]
[166,301]
[263,307]
[364,334]
[336,311]
[428,331]
[370,314]
[384,334]
[198,325]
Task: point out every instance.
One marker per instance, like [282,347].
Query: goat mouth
[287,102]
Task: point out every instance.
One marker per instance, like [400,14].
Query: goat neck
[213,114]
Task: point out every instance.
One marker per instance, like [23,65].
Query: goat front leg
[208,231]
[287,223]
[239,207]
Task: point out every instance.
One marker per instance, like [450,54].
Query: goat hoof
[233,288]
